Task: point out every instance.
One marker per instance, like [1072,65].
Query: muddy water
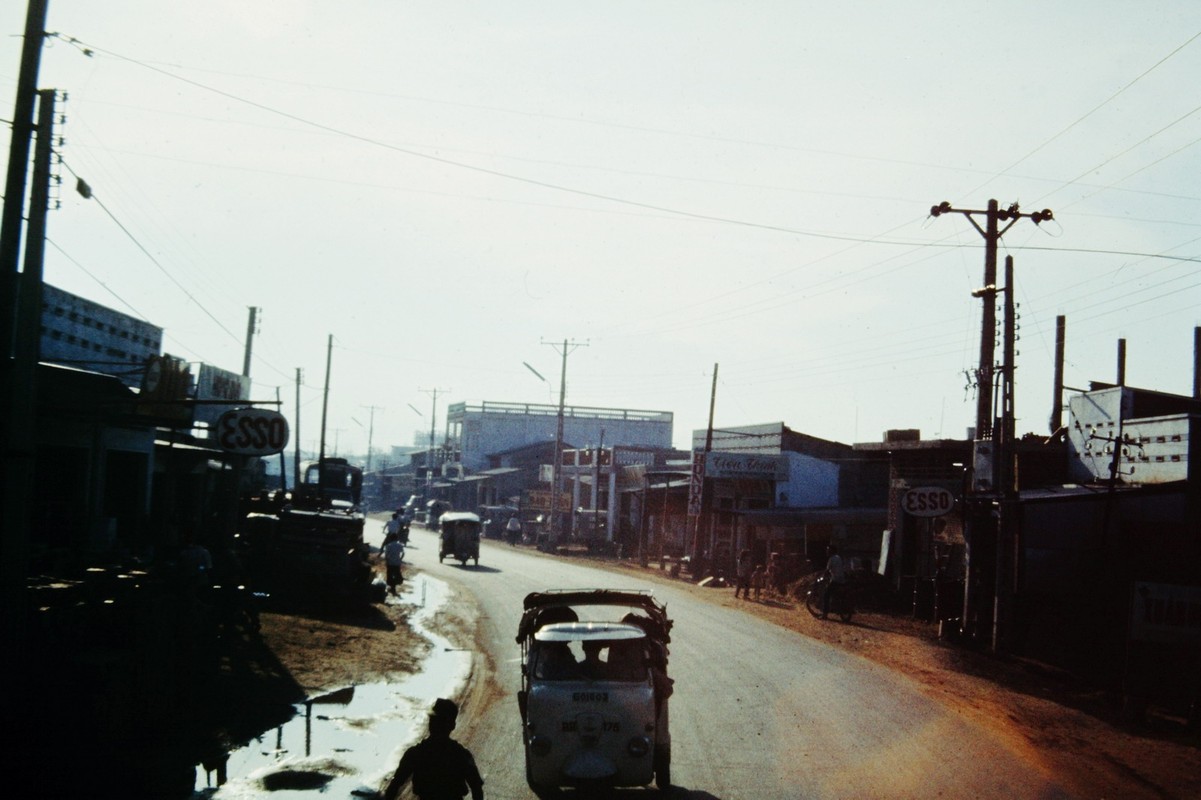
[345,743]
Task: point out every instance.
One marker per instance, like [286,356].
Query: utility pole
[429,461]
[251,330]
[980,529]
[329,354]
[283,459]
[992,233]
[370,433]
[557,469]
[703,519]
[1005,467]
[17,176]
[1061,327]
[16,446]
[296,434]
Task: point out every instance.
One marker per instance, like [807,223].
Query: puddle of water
[346,743]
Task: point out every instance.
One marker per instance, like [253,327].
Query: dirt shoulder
[1071,730]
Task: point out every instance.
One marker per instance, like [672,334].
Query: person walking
[757,579]
[742,571]
[394,554]
[513,530]
[439,767]
[772,575]
[837,573]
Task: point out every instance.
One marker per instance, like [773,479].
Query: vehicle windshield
[596,660]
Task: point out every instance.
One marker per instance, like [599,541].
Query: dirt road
[1073,731]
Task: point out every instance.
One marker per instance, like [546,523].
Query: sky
[453,191]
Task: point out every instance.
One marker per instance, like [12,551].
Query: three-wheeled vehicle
[460,536]
[594,690]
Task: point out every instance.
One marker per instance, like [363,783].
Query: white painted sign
[252,432]
[928,501]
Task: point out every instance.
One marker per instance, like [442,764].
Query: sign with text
[928,501]
[214,383]
[252,432]
[697,484]
[745,466]
[539,500]
[1163,612]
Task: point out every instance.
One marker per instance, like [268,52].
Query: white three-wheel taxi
[594,689]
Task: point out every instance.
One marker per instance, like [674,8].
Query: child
[757,578]
[773,573]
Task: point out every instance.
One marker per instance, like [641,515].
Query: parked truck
[311,542]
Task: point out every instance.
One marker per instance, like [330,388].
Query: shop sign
[746,466]
[928,501]
[252,432]
[697,484]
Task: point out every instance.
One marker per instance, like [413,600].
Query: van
[594,695]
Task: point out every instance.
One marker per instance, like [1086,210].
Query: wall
[811,482]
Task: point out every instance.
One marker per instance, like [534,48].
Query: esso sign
[252,432]
[928,501]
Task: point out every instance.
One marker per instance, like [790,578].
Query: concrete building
[86,335]
[770,489]
[477,431]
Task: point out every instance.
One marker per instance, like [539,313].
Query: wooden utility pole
[983,534]
[1005,468]
[702,518]
[296,435]
[992,233]
[329,354]
[557,469]
[370,435]
[251,330]
[429,462]
[1061,326]
[16,431]
[18,163]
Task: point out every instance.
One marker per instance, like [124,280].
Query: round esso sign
[928,501]
[252,431]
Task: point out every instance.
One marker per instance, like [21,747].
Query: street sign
[697,484]
[928,501]
[252,432]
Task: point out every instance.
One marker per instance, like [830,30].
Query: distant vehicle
[434,509]
[495,518]
[460,536]
[594,693]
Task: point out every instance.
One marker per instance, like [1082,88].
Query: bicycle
[841,603]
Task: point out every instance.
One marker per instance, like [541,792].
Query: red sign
[252,432]
[697,483]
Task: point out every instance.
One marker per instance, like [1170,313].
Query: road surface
[758,712]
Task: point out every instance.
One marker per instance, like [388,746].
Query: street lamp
[549,388]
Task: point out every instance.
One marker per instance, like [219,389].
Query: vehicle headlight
[638,746]
[540,745]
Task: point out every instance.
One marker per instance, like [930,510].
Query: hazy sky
[450,188]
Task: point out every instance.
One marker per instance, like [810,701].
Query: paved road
[758,712]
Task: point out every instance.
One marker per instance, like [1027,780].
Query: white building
[477,431]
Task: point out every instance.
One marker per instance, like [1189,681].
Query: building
[770,489]
[86,335]
[476,431]
[1107,580]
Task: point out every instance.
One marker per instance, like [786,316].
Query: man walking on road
[440,767]
[394,553]
[743,571]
